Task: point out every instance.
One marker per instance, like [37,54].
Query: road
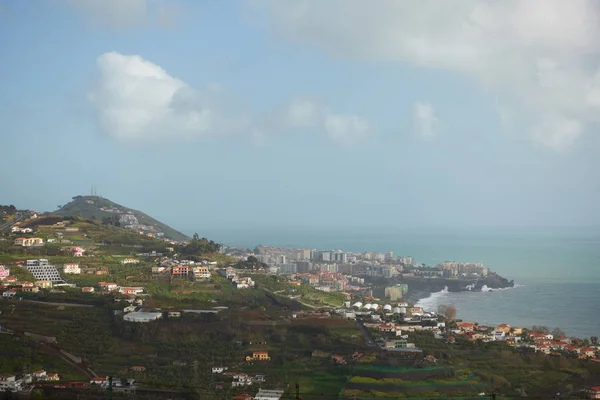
[18,217]
[369,341]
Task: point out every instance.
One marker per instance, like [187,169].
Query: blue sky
[259,114]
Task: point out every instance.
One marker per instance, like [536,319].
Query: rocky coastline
[421,288]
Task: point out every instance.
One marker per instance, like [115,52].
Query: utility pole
[109,390]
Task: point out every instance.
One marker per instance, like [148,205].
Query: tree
[448,311]
[540,329]
[557,333]
[196,237]
[594,340]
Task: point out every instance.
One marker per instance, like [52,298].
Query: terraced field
[398,382]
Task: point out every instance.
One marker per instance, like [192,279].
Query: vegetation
[198,247]
[89,207]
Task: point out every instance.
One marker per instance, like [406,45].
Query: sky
[262,114]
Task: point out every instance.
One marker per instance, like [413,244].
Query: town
[342,309]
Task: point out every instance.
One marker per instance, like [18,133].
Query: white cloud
[426,123]
[341,128]
[127,13]
[540,57]
[137,101]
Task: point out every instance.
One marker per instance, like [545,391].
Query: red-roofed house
[594,393]
[138,368]
[386,327]
[97,381]
[52,377]
[41,374]
[338,359]
[465,326]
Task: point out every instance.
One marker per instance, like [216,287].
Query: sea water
[556,271]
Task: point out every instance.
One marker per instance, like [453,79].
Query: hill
[96,207]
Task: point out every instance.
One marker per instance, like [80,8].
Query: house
[109,286]
[386,328]
[87,289]
[129,308]
[588,352]
[338,359]
[77,251]
[39,374]
[28,242]
[219,370]
[416,311]
[71,268]
[9,294]
[4,272]
[259,378]
[30,289]
[131,290]
[130,261]
[44,284]
[52,377]
[466,326]
[201,273]
[97,381]
[10,383]
[505,328]
[543,348]
[175,314]
[517,331]
[259,356]
[594,393]
[241,379]
[138,368]
[242,283]
[180,270]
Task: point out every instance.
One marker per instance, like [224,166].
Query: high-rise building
[389,255]
[339,256]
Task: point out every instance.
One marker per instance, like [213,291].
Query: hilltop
[96,207]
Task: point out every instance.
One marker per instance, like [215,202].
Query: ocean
[556,271]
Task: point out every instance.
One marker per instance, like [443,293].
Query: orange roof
[260,352]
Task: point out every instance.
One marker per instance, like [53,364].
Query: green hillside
[95,207]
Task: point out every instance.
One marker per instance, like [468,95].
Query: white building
[142,316]
[201,273]
[42,271]
[9,382]
[71,268]
[130,261]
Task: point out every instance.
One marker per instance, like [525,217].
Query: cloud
[345,129]
[127,13]
[137,101]
[425,122]
[538,57]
